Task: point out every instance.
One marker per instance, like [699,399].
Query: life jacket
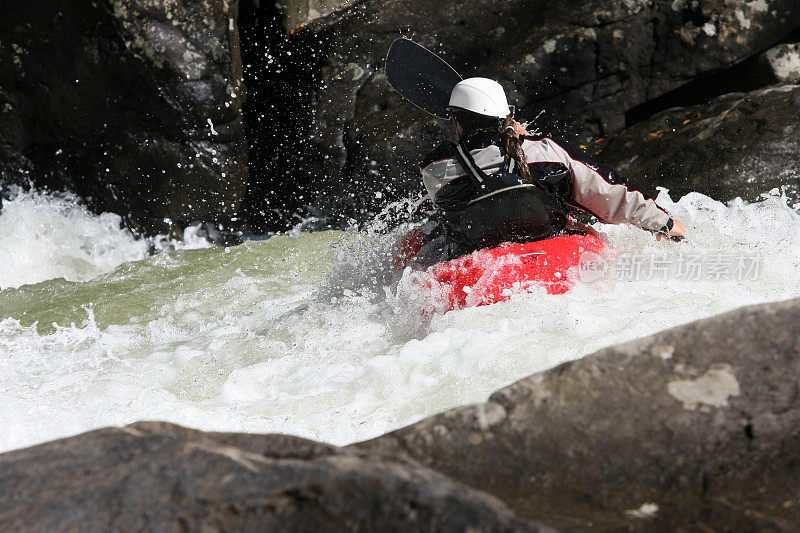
[483,210]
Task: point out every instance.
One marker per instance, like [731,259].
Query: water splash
[45,236]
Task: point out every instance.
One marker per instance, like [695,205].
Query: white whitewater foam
[50,236]
[244,339]
[46,236]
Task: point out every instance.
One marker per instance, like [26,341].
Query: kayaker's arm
[610,197]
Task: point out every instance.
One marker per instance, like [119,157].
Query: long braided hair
[472,123]
[513,145]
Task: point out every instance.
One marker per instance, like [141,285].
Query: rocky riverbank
[694,429]
[737,145]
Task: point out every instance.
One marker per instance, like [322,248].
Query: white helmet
[482,96]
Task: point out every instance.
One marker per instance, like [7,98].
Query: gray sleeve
[614,202]
[611,202]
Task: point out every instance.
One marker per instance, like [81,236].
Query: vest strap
[468,164]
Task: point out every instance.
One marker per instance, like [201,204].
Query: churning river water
[316,334]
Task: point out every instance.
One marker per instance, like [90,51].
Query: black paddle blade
[420,76]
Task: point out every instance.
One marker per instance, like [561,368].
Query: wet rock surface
[134,106]
[299,13]
[695,428]
[158,476]
[585,64]
[784,61]
[737,145]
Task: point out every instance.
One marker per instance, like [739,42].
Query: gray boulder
[160,477]
[693,429]
[135,106]
[740,144]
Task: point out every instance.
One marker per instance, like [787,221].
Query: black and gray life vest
[481,209]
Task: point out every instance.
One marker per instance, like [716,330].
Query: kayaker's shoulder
[541,138]
[444,150]
[553,145]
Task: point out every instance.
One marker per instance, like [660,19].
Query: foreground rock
[586,64]
[696,428]
[135,106]
[736,145]
[157,476]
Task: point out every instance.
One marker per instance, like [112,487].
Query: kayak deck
[492,275]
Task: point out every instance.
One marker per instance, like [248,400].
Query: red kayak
[494,274]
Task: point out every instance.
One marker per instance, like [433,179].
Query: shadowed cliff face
[584,64]
[135,106]
[740,144]
[281,73]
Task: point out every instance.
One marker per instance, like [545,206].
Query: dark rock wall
[740,144]
[116,100]
[585,64]
[281,73]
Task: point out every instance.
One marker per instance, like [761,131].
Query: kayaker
[499,183]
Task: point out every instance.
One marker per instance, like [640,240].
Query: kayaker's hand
[677,233]
[519,130]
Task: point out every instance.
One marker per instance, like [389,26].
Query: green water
[150,289]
